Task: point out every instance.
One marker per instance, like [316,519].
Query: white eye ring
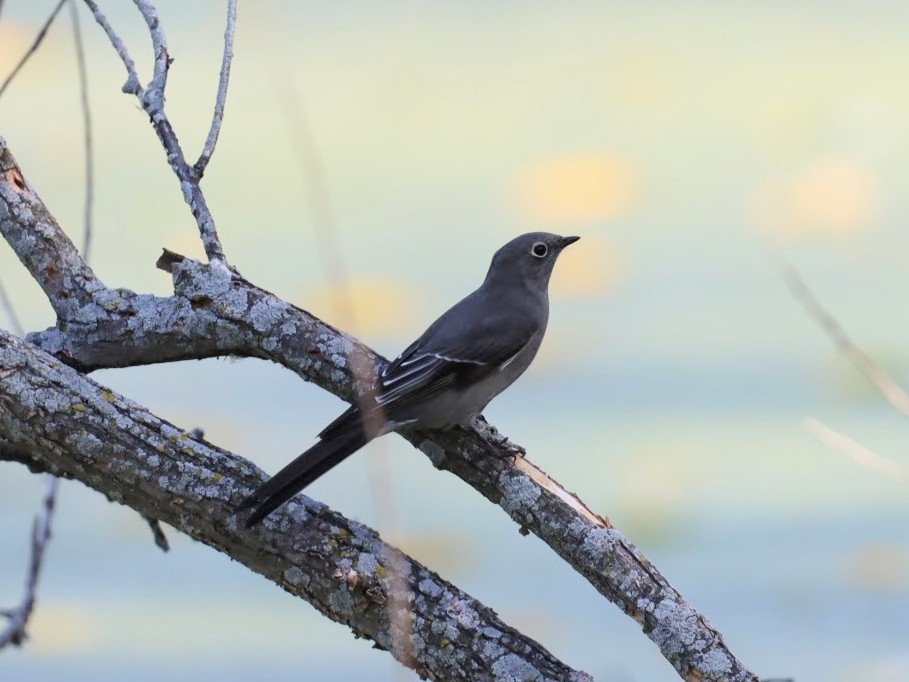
[539,250]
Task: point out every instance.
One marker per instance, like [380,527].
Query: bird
[445,378]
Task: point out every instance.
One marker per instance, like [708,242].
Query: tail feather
[320,458]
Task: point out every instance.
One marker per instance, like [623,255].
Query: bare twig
[867,367]
[87,132]
[154,91]
[157,533]
[14,632]
[10,311]
[132,85]
[325,231]
[34,47]
[218,116]
[856,452]
[152,99]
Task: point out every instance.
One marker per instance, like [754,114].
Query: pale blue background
[672,386]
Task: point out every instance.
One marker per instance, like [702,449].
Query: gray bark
[75,427]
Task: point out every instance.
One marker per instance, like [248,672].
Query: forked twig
[14,632]
[151,96]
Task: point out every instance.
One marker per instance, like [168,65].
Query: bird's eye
[539,250]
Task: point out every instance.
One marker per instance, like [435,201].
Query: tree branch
[14,632]
[216,312]
[151,98]
[221,98]
[86,132]
[50,256]
[36,43]
[9,309]
[861,361]
[856,452]
[343,568]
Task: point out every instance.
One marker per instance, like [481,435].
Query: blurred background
[678,139]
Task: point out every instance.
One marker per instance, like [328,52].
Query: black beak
[567,240]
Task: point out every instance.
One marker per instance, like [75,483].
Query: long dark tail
[321,457]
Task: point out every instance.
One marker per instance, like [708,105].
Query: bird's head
[528,259]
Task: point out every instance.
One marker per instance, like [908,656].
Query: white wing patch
[511,359]
[412,372]
[415,365]
[469,362]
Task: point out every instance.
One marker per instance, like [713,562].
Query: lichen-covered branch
[216,312]
[50,256]
[343,568]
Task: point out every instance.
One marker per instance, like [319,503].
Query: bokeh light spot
[576,188]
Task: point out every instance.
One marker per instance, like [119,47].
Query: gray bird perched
[446,377]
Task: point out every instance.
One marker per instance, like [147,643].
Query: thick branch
[341,567]
[217,312]
[41,245]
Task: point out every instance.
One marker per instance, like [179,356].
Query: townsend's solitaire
[446,377]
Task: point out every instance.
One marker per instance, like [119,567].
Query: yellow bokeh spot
[589,268]
[15,40]
[576,189]
[832,196]
[57,628]
[366,307]
[881,568]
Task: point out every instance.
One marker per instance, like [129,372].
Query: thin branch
[14,632]
[34,47]
[157,533]
[154,91]
[87,132]
[856,452]
[221,98]
[325,231]
[10,311]
[132,85]
[152,99]
[867,367]
[341,567]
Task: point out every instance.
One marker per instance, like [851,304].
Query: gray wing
[468,343]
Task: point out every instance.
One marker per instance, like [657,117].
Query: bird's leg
[492,435]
